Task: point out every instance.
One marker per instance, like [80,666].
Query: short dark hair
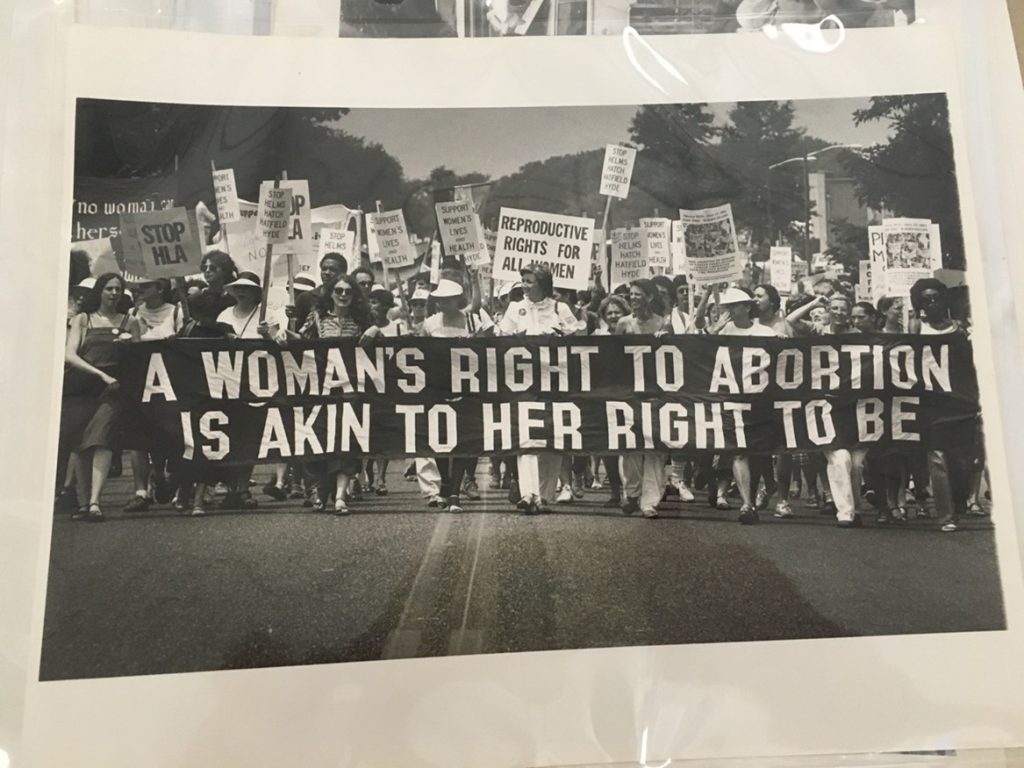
[664,281]
[868,307]
[223,261]
[335,256]
[679,280]
[365,270]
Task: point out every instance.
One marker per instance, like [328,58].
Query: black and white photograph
[272,453]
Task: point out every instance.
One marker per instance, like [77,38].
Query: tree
[761,134]
[914,173]
[438,186]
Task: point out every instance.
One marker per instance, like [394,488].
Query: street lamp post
[806,160]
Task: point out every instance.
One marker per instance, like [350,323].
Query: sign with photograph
[709,243]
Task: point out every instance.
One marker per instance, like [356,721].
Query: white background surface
[804,697]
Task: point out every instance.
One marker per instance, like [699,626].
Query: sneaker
[631,506]
[748,515]
[783,510]
[470,489]
[198,512]
[564,496]
[453,505]
[596,485]
[275,491]
[949,528]
[649,512]
[974,509]
[137,504]
[761,500]
[685,494]
[723,503]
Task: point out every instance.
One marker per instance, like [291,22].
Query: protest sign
[781,266]
[560,242]
[461,231]
[617,170]
[763,395]
[678,252]
[864,286]
[903,251]
[628,261]
[656,235]
[299,229]
[226,193]
[390,238]
[275,206]
[342,241]
[101,255]
[160,244]
[98,202]
[709,244]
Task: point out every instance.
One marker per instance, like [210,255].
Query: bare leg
[741,474]
[101,458]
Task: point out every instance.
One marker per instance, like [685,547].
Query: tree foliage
[913,174]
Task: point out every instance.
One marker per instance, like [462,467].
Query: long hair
[359,309]
[91,302]
[224,262]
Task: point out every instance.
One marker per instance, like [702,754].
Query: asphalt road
[159,592]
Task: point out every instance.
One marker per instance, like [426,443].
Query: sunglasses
[342,291]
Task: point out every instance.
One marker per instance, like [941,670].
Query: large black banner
[246,401]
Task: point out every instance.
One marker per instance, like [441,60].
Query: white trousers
[643,477]
[429,477]
[538,475]
[845,469]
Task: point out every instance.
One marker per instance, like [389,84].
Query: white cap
[446,289]
[88,283]
[245,280]
[507,288]
[303,283]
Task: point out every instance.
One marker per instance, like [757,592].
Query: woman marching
[91,409]
[452,320]
[344,313]
[538,314]
[643,473]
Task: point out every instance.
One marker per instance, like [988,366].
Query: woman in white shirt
[453,320]
[538,314]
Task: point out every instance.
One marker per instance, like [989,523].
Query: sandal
[340,507]
[974,509]
[80,514]
[95,514]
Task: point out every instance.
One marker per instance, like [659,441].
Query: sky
[497,141]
